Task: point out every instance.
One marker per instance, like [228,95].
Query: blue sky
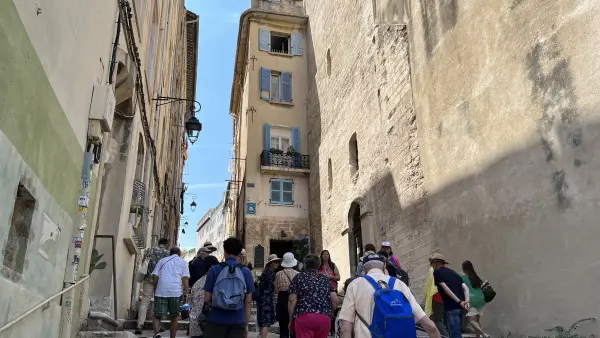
[206,168]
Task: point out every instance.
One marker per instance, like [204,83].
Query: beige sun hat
[272,258]
[438,257]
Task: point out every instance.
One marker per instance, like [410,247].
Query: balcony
[137,211]
[273,162]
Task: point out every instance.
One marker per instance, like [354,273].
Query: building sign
[250,208]
[250,185]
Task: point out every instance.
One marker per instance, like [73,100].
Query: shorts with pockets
[164,306]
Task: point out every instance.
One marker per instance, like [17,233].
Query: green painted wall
[37,144]
[31,116]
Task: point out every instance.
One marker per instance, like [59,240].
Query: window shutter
[296,138]
[264,40]
[265,83]
[296,44]
[267,136]
[286,87]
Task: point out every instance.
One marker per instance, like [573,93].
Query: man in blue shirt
[228,323]
[454,292]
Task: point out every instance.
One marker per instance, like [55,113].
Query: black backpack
[402,275]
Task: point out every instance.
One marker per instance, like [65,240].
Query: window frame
[287,36]
[278,76]
[281,191]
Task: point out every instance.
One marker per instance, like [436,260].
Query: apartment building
[91,152]
[269,189]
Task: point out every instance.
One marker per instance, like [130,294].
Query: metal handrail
[16,320]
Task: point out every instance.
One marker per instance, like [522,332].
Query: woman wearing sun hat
[266,295]
[283,280]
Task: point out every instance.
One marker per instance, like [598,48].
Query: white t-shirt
[359,298]
[170,270]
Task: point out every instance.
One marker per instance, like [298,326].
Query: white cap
[386,243]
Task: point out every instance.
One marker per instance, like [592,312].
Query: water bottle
[185,307]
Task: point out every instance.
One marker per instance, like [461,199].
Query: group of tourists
[376,302]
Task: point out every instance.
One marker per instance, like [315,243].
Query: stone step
[104,334]
[166,334]
[130,324]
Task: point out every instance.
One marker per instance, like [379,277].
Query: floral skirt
[266,311]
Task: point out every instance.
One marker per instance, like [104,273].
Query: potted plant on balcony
[276,151]
[294,157]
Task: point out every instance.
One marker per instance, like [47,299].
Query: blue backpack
[392,314]
[229,292]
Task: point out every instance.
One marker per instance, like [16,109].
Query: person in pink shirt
[387,247]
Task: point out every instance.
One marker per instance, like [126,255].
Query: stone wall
[507,108]
[364,89]
[262,230]
[291,7]
[477,136]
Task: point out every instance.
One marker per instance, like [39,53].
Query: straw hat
[272,258]
[289,261]
[210,246]
[437,257]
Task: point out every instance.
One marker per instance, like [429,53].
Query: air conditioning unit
[103,106]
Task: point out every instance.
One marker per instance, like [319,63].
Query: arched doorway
[354,236]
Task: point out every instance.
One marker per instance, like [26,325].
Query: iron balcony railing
[284,160]
[139,194]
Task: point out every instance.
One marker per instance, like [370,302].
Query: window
[329,175]
[20,226]
[282,191]
[281,143]
[353,154]
[277,42]
[275,86]
[328,63]
[280,43]
[280,137]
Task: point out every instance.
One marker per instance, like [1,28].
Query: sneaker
[138,331]
[157,336]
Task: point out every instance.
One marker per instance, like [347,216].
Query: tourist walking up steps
[454,292]
[434,305]
[312,300]
[283,281]
[170,283]
[369,249]
[477,303]
[387,247]
[266,296]
[197,300]
[330,270]
[152,256]
[228,293]
[196,265]
[366,302]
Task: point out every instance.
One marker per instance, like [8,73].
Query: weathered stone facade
[476,136]
[368,92]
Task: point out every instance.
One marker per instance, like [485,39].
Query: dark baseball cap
[373,257]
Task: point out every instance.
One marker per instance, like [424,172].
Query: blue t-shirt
[227,317]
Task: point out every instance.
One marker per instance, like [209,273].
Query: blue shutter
[267,136]
[296,44]
[264,40]
[286,87]
[265,83]
[296,138]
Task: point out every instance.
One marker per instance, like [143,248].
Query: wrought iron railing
[293,161]
[139,194]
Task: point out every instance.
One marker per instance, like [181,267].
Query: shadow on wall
[530,230]
[313,121]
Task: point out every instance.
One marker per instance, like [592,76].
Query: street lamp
[193,205]
[193,126]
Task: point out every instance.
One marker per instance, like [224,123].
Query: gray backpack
[229,292]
